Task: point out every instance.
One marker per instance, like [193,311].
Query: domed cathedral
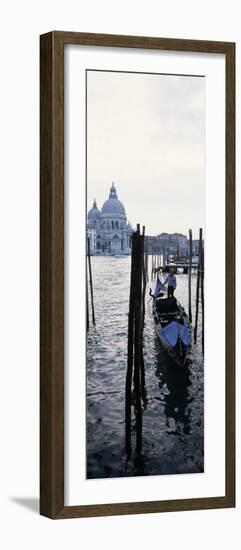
[108,230]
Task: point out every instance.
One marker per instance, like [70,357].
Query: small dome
[94,214]
[113,206]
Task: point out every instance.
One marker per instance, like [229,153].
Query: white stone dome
[94,214]
[113,206]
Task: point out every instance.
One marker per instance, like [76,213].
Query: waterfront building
[153,245]
[174,242]
[167,243]
[110,231]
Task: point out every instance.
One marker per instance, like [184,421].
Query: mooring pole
[87,304]
[146,268]
[138,338]
[143,276]
[135,339]
[129,372]
[143,293]
[198,283]
[91,283]
[190,278]
[202,295]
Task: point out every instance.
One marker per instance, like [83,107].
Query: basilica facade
[108,231]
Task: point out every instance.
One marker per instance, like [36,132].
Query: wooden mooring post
[198,283]
[202,294]
[138,328]
[143,294]
[87,305]
[135,375]
[146,268]
[144,278]
[91,281]
[190,278]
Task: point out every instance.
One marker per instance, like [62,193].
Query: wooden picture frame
[52,273]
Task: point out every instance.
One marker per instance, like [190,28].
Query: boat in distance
[172,324]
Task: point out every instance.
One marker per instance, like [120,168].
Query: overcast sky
[146,133]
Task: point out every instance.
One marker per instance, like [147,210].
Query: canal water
[173,413]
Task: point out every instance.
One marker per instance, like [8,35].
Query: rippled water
[172,419]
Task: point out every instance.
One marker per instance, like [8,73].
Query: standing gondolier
[171,282]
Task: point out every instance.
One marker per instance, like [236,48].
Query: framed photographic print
[137,385]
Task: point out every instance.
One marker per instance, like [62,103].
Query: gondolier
[171,282]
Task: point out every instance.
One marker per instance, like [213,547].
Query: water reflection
[175,380]
[175,406]
[137,399]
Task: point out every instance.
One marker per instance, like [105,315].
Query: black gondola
[172,325]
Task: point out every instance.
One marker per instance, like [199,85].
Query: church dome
[94,214]
[113,206]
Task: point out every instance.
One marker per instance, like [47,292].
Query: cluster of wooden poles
[199,285]
[135,375]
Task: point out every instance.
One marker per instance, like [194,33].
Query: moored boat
[172,325]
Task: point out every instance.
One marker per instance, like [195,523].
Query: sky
[145,132]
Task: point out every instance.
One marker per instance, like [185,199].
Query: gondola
[172,325]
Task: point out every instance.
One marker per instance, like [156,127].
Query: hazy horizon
[146,133]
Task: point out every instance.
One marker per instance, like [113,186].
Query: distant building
[175,242]
[153,245]
[107,228]
[167,243]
